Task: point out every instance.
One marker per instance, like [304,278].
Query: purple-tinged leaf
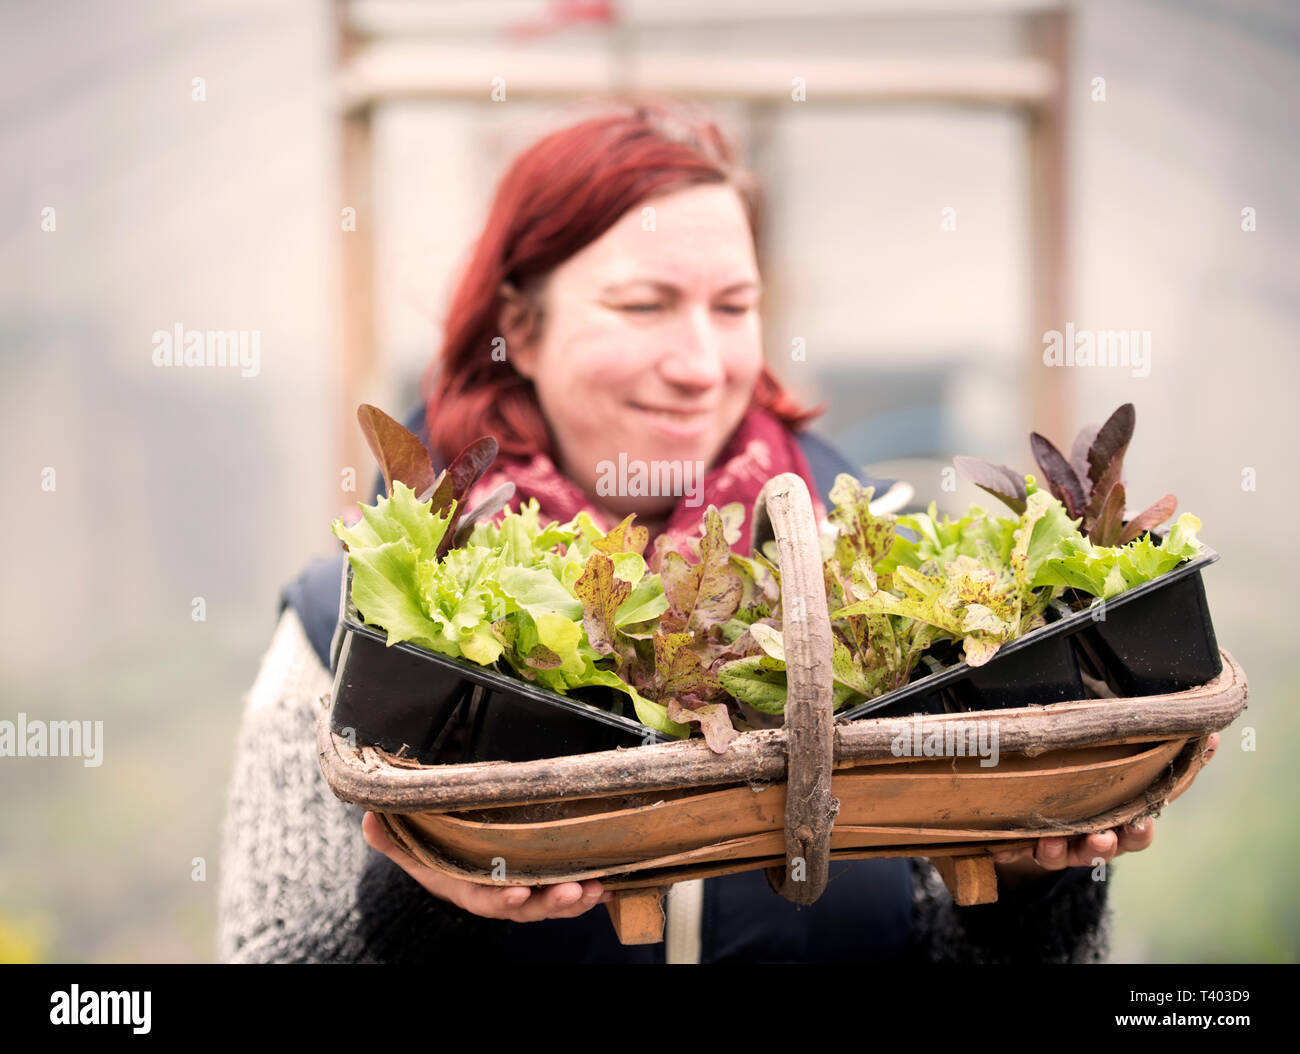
[720,588]
[1097,500]
[398,450]
[602,595]
[714,720]
[467,466]
[679,671]
[1152,517]
[444,499]
[1111,520]
[440,492]
[465,470]
[703,594]
[681,582]
[1079,453]
[484,510]
[1061,478]
[1002,482]
[861,533]
[690,690]
[1109,446]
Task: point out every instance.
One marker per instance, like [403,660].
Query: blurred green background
[224,214]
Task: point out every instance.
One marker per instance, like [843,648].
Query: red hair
[557,197]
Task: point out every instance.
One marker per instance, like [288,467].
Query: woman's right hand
[565,900]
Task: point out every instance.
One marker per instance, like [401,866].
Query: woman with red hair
[611,305]
[609,314]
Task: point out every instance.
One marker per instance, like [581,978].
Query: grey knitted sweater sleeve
[298,883]
[291,852]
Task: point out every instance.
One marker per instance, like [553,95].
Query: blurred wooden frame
[387,50]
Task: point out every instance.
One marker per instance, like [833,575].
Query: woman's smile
[675,422]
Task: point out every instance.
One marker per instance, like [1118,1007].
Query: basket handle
[783,510]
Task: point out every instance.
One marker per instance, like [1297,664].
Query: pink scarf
[761,447]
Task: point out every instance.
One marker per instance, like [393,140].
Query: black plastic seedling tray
[1153,639]
[439,710]
[1157,638]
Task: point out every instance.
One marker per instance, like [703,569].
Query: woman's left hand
[1055,853]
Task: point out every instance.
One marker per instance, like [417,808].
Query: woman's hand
[564,900]
[1053,854]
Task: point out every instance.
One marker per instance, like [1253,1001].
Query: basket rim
[368,777]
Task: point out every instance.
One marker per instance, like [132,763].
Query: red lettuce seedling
[1090,483]
[670,661]
[402,457]
[398,450]
[1000,481]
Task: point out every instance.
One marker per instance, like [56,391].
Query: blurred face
[649,345]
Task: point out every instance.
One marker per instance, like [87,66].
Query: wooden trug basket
[791,799]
